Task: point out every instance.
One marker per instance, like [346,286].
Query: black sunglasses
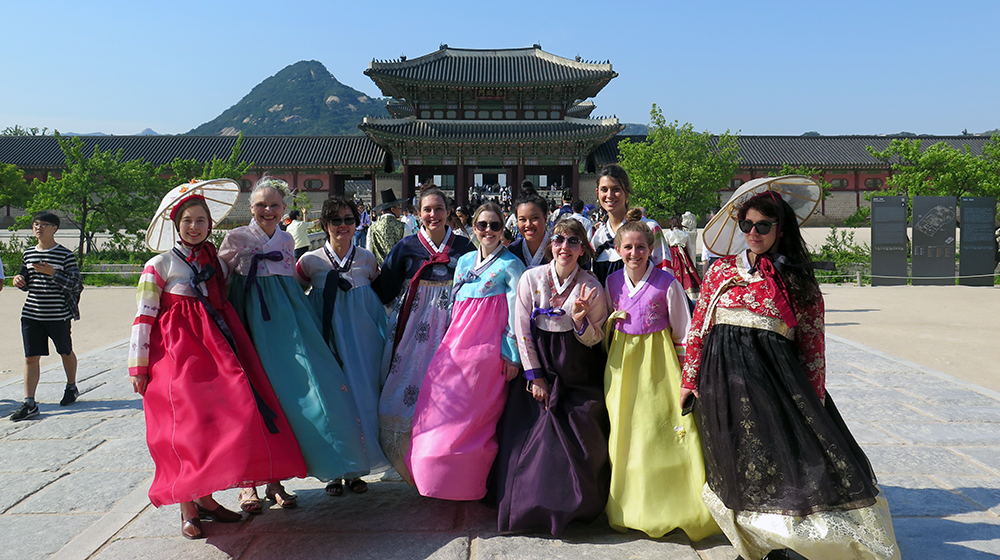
[763,227]
[495,226]
[572,241]
[348,221]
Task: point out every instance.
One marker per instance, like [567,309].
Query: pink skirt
[454,437]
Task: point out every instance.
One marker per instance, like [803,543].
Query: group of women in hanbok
[552,377]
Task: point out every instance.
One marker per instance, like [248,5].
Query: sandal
[357,485]
[249,501]
[277,493]
[335,488]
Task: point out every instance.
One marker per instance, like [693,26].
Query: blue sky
[770,67]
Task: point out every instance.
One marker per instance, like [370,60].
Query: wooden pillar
[375,200]
[295,179]
[575,189]
[407,189]
[520,177]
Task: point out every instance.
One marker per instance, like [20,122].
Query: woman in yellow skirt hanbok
[657,470]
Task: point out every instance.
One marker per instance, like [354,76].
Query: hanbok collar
[560,288]
[184,249]
[482,263]
[635,289]
[536,259]
[437,248]
[260,233]
[335,259]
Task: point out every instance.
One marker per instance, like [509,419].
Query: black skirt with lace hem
[770,444]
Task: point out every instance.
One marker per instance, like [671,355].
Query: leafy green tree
[941,170]
[14,190]
[230,168]
[100,193]
[18,130]
[677,169]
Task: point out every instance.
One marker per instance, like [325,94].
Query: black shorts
[36,335]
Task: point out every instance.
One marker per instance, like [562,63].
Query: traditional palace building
[459,113]
[471,115]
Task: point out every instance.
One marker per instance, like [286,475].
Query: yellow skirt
[657,470]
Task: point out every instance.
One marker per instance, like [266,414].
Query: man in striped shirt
[52,279]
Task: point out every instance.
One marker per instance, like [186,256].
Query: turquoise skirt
[310,384]
[358,338]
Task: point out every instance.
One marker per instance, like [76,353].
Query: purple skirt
[553,464]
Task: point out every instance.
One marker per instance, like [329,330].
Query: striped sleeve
[148,301]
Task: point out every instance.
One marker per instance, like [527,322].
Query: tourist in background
[387,230]
[613,190]
[299,230]
[657,469]
[212,420]
[552,467]
[578,215]
[306,376]
[352,319]
[409,219]
[454,438]
[417,274]
[791,476]
[681,264]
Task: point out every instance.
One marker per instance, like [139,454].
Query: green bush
[847,255]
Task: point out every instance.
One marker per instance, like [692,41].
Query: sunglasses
[348,221]
[482,226]
[763,227]
[560,240]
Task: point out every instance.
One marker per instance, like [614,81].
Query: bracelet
[528,388]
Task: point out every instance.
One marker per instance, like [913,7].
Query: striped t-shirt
[49,296]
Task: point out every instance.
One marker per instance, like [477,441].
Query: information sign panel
[934,228]
[977,248]
[889,244]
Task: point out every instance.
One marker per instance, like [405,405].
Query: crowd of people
[551,375]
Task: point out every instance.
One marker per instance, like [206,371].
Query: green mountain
[303,99]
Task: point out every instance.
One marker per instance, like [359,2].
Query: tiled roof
[42,152]
[568,129]
[810,151]
[491,68]
[581,110]
[398,109]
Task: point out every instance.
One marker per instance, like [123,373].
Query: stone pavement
[74,482]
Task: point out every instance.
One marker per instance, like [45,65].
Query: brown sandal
[250,501]
[357,485]
[277,493]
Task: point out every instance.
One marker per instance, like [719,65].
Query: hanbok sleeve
[593,331]
[508,348]
[390,282]
[679,317]
[660,255]
[522,329]
[696,339]
[148,301]
[227,251]
[811,343]
[302,273]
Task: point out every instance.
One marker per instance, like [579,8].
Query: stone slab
[921,496]
[906,459]
[909,380]
[844,380]
[946,433]
[393,506]
[164,522]
[18,486]
[62,427]
[127,427]
[872,395]
[985,491]
[952,413]
[988,456]
[871,434]
[213,548]
[367,546]
[117,455]
[34,537]
[953,396]
[878,413]
[591,546]
[82,492]
[42,456]
[950,538]
[117,388]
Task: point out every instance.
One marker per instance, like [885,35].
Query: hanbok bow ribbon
[334,283]
[775,286]
[273,256]
[552,312]
[442,257]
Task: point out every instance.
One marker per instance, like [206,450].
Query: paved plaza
[75,480]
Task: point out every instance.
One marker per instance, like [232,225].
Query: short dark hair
[47,217]
[578,206]
[331,209]
[294,214]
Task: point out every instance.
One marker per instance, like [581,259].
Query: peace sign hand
[581,306]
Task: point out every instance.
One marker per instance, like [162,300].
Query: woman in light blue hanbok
[308,380]
[352,318]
